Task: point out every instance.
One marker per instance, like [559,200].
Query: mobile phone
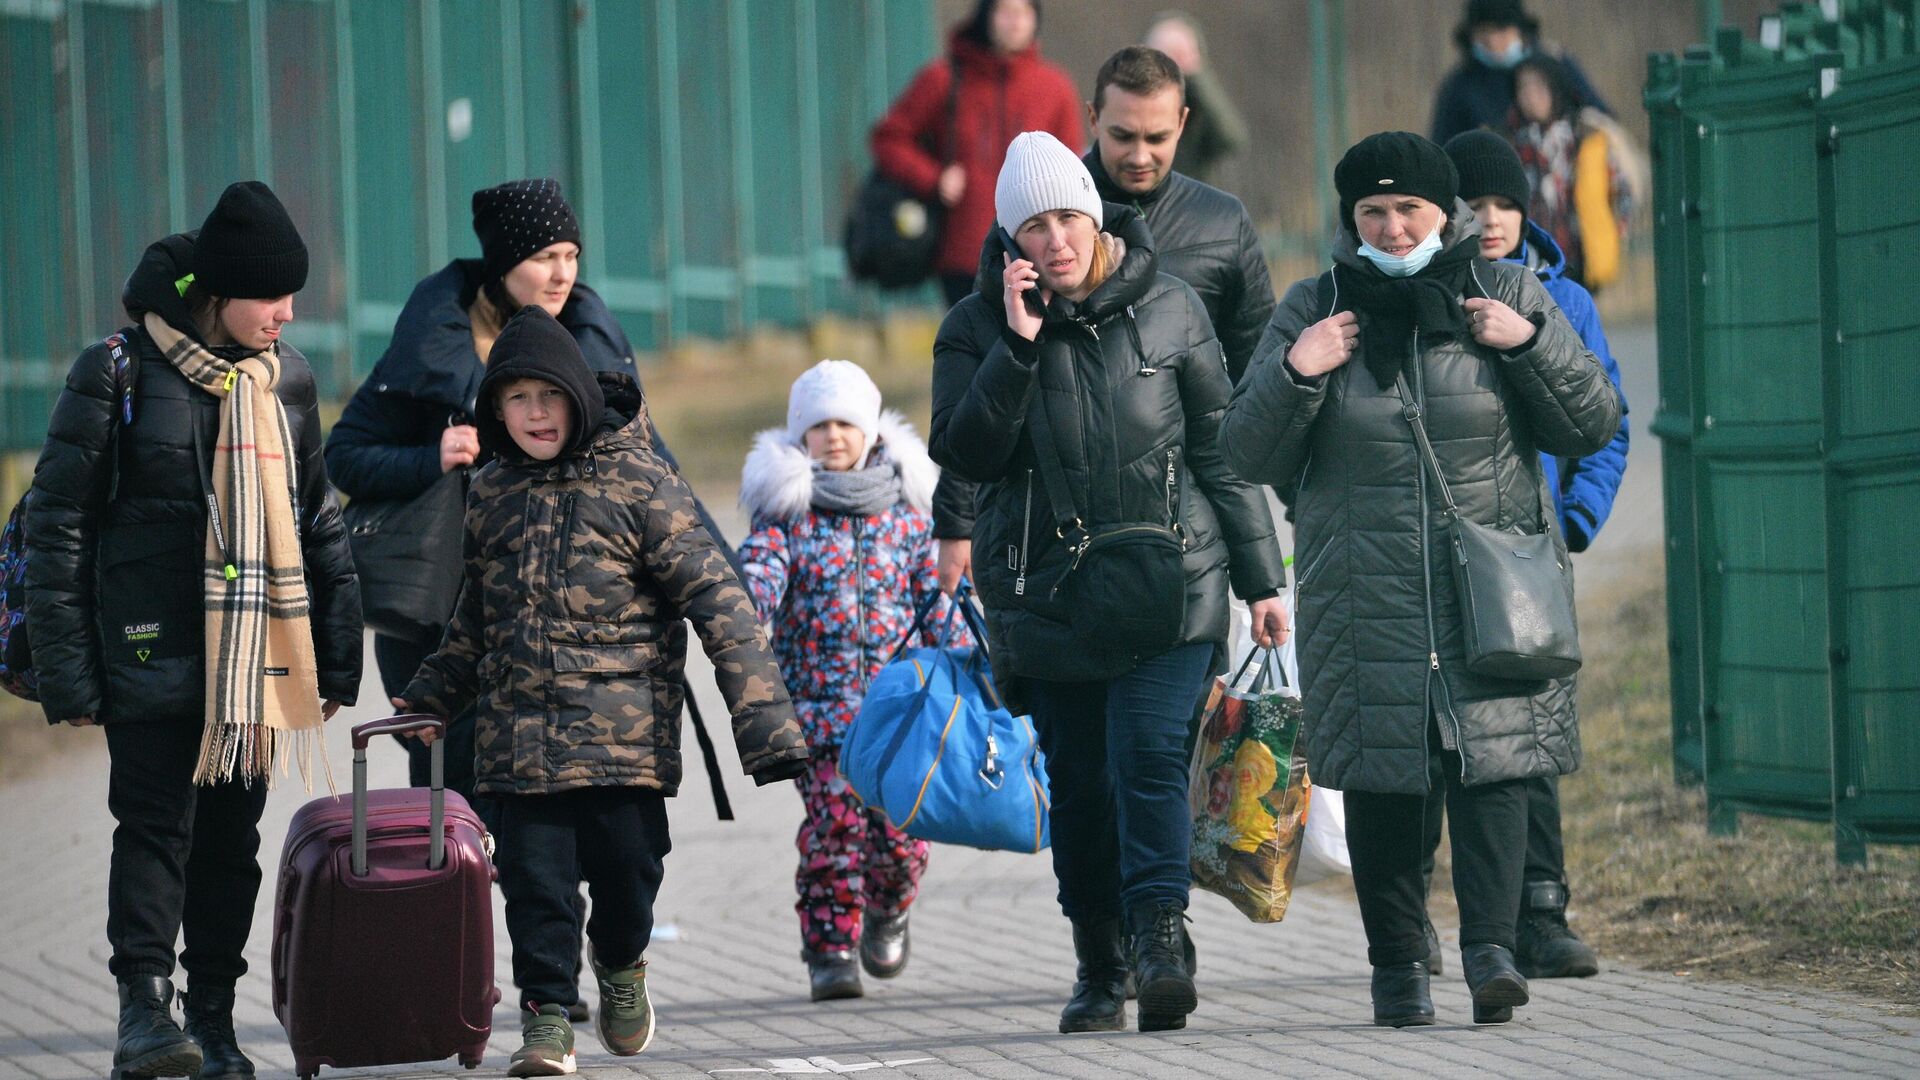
[1031,296]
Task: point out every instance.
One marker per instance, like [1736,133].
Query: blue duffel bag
[935,750]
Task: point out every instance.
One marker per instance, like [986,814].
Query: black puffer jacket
[1205,238]
[114,592]
[1380,637]
[1131,379]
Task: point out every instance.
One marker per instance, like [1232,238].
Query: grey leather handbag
[1515,589]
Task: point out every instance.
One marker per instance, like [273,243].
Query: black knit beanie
[247,248]
[1497,13]
[1394,163]
[533,345]
[517,219]
[1488,165]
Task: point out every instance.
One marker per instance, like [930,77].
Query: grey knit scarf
[865,492]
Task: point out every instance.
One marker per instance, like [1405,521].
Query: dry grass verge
[1769,905]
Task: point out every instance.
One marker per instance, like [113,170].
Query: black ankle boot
[1544,947]
[1166,993]
[210,1022]
[833,975]
[1401,995]
[1099,1001]
[1497,985]
[150,1043]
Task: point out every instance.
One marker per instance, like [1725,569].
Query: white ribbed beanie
[1041,174]
[833,390]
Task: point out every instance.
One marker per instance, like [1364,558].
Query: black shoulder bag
[1125,585]
[409,554]
[892,235]
[1515,589]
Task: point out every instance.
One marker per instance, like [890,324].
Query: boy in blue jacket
[1494,184]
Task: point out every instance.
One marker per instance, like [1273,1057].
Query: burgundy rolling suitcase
[383,923]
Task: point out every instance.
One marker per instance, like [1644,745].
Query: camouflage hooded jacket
[571,629]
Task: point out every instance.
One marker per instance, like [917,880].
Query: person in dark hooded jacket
[1082,390]
[1481,351]
[135,497]
[1493,37]
[413,418]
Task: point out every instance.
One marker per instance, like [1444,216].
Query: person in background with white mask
[1500,377]
[1494,36]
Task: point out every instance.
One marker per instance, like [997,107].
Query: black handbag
[1124,589]
[409,554]
[893,236]
[1515,589]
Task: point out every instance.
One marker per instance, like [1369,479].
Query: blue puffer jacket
[1584,487]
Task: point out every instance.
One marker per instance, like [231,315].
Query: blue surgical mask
[1501,61]
[1404,265]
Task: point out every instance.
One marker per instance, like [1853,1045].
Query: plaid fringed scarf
[263,697]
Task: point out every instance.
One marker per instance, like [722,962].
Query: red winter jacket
[1000,97]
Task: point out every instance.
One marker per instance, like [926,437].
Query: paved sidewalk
[991,966]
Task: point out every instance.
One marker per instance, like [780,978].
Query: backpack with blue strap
[17,676]
[935,750]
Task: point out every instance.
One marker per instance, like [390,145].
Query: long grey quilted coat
[1380,636]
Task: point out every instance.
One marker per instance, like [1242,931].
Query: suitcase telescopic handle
[437,798]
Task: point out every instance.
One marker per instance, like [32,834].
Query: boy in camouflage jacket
[585,557]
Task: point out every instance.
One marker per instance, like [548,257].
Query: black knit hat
[1394,163]
[248,248]
[1488,165]
[1498,13]
[517,219]
[533,345]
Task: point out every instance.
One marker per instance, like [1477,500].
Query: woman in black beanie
[164,517]
[411,421]
[1499,377]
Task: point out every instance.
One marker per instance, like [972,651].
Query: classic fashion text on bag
[1515,589]
[409,556]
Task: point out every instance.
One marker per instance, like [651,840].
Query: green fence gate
[710,147]
[1790,415]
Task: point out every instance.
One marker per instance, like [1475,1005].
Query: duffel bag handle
[437,797]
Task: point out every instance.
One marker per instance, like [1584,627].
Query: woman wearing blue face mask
[1499,377]
[1494,36]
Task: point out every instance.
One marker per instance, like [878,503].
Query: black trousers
[1387,841]
[398,660]
[185,858]
[1546,853]
[613,838]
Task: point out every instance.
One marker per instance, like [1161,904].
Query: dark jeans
[1387,840]
[1546,855]
[398,660]
[184,857]
[613,838]
[1118,783]
[956,287]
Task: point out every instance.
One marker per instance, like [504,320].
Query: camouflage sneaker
[625,1019]
[546,1043]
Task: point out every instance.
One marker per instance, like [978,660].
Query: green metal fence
[709,146]
[1789,384]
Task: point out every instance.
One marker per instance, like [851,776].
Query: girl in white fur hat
[840,554]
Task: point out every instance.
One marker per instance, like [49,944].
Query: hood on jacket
[535,346]
[777,480]
[1541,252]
[154,284]
[1128,282]
[431,356]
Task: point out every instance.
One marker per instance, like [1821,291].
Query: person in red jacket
[941,142]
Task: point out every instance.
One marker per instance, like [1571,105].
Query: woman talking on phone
[1083,390]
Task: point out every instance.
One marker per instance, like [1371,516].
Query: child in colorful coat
[839,556]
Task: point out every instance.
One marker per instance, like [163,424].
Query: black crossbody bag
[1515,589]
[1125,586]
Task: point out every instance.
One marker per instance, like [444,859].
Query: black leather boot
[150,1043]
[1497,985]
[883,944]
[834,975]
[1401,996]
[210,1021]
[1166,993]
[1099,1001]
[1544,946]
